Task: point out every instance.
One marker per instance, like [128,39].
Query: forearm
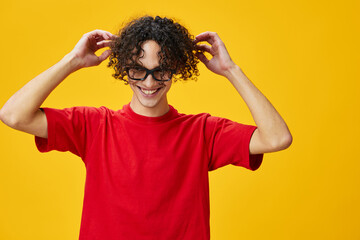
[272,128]
[23,105]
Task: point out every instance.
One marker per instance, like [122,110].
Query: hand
[84,50]
[220,63]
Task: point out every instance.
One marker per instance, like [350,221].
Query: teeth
[148,92]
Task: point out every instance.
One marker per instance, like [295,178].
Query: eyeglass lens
[141,74]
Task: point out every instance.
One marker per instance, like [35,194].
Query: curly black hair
[176,43]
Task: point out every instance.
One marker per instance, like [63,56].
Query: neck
[159,110]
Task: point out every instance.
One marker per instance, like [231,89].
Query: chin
[148,104]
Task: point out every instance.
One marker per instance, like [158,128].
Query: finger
[202,58]
[104,55]
[206,48]
[104,43]
[100,35]
[209,37]
[109,35]
[113,36]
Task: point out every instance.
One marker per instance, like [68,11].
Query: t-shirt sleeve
[228,143]
[70,129]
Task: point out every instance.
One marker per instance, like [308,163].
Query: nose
[149,82]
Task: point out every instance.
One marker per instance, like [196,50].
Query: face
[149,96]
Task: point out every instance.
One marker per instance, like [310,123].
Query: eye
[163,74]
[136,73]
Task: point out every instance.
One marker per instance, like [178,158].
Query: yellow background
[302,55]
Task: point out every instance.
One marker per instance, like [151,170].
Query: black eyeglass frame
[149,72]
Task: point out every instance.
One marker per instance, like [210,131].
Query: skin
[148,105]
[22,112]
[272,133]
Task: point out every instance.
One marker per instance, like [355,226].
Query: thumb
[104,55]
[203,58]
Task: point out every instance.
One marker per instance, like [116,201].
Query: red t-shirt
[147,177]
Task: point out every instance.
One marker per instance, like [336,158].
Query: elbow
[2,115]
[283,142]
[286,141]
[8,119]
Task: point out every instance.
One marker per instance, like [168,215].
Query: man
[146,164]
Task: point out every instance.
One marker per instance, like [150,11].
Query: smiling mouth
[148,92]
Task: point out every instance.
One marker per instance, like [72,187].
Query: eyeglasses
[141,73]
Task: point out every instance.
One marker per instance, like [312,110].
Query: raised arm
[272,133]
[22,111]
